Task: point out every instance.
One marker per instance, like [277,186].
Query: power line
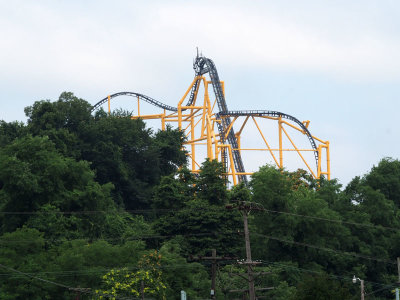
[86,212]
[64,273]
[380,290]
[37,278]
[347,279]
[211,234]
[70,288]
[134,211]
[131,238]
[326,249]
[333,220]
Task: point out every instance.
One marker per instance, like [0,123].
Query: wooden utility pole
[142,289]
[248,262]
[245,207]
[398,269]
[362,289]
[213,273]
[398,280]
[214,260]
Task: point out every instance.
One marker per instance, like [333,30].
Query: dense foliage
[101,206]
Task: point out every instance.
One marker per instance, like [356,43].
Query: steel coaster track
[149,99]
[277,114]
[193,92]
[203,65]
[136,95]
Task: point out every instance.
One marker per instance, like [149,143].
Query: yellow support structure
[199,122]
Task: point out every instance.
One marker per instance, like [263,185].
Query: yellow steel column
[109,104]
[163,121]
[209,141]
[238,141]
[138,106]
[319,161]
[328,161]
[179,117]
[280,143]
[193,144]
[207,112]
[232,165]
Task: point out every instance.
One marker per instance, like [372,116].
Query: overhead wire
[70,288]
[63,273]
[102,271]
[167,210]
[214,233]
[325,249]
[333,220]
[347,279]
[130,238]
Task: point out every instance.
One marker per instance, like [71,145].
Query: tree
[385,178]
[169,194]
[123,151]
[24,250]
[322,287]
[147,280]
[204,227]
[210,185]
[33,174]
[68,112]
[10,131]
[271,188]
[289,201]
[179,274]
[169,143]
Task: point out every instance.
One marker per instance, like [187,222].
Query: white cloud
[252,39]
[80,43]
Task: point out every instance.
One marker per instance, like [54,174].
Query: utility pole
[245,208]
[398,280]
[214,259]
[213,273]
[248,262]
[362,289]
[398,269]
[142,289]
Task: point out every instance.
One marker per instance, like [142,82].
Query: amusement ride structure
[214,132]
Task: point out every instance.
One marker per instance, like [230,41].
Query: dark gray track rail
[277,114]
[136,95]
[203,65]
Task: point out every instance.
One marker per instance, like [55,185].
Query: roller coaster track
[136,95]
[226,141]
[262,113]
[205,65]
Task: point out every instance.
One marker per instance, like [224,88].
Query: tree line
[100,206]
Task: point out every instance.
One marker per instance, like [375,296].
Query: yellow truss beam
[201,131]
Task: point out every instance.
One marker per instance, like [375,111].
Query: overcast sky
[336,63]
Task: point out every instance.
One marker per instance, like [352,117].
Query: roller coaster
[214,132]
